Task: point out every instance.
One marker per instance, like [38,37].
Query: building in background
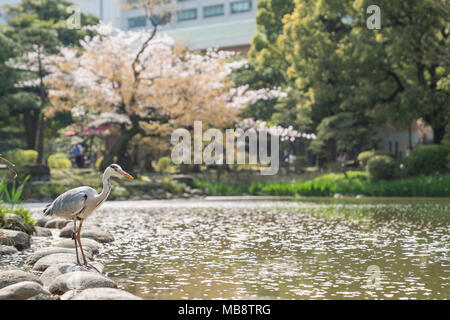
[199,24]
[400,141]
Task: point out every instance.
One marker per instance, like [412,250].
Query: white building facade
[199,24]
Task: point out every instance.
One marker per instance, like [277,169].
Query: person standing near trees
[77,152]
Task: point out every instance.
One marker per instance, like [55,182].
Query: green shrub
[365,156]
[164,164]
[427,159]
[300,164]
[22,157]
[173,187]
[381,168]
[59,161]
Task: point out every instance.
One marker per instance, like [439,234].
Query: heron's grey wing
[68,204]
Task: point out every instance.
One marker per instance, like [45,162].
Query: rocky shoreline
[54,274]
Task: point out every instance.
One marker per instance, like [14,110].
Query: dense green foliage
[34,29]
[381,168]
[334,66]
[21,157]
[59,161]
[427,159]
[330,184]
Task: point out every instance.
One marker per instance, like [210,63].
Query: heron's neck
[106,189]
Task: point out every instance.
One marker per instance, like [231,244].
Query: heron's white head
[116,170]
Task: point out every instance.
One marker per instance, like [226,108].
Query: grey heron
[79,203]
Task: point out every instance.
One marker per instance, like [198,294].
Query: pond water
[217,249]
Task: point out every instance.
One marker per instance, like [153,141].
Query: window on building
[137,22]
[189,14]
[213,11]
[241,6]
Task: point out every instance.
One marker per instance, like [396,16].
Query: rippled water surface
[276,250]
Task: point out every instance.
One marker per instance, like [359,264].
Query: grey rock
[97,235]
[68,295]
[67,231]
[57,223]
[22,291]
[360,196]
[86,243]
[7,250]
[40,253]
[42,221]
[55,270]
[42,232]
[79,280]
[338,196]
[15,222]
[55,258]
[43,296]
[99,294]
[89,231]
[20,240]
[10,277]
[12,216]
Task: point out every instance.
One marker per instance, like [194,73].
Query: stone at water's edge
[20,240]
[42,232]
[15,222]
[97,235]
[91,232]
[42,221]
[85,242]
[99,294]
[40,253]
[57,223]
[55,258]
[55,270]
[7,250]
[22,290]
[43,296]
[10,277]
[79,280]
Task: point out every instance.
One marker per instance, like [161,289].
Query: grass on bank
[64,179]
[356,182]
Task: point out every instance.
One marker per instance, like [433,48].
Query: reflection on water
[276,250]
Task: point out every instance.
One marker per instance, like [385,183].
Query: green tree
[267,64]
[333,64]
[38,28]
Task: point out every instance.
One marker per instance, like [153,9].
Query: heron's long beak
[125,174]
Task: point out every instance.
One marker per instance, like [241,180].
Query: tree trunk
[119,150]
[40,146]
[30,124]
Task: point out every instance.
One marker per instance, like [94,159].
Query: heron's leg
[88,265]
[74,237]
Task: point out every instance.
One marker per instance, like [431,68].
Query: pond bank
[49,271]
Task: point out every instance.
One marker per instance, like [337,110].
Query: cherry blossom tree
[153,84]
